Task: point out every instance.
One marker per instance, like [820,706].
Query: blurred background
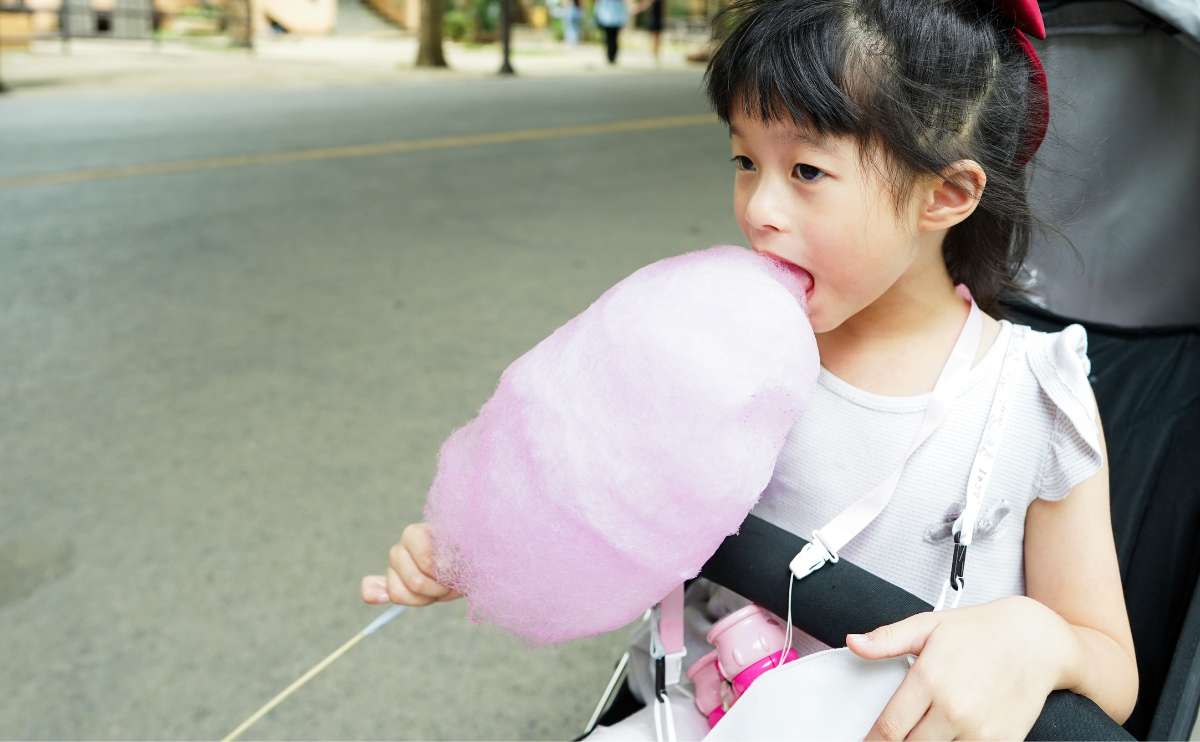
[258,258]
[174,44]
[246,291]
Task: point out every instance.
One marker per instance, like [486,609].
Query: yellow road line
[360,150]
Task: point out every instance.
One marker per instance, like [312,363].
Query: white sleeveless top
[849,439]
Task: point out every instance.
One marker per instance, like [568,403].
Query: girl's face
[814,204]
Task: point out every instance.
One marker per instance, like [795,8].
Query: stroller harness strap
[666,644]
[949,386]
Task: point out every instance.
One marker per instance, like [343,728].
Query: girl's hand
[410,575]
[982,672]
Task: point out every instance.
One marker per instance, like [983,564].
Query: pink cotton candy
[617,454]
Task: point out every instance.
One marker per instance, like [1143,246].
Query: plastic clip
[668,668]
[958,564]
[812,557]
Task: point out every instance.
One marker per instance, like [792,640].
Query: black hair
[924,83]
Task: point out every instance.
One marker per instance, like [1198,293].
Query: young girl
[881,146]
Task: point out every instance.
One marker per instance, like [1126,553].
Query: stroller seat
[1125,91]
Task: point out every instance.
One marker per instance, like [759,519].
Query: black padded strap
[841,599]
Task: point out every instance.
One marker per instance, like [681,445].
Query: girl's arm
[1071,567]
[984,671]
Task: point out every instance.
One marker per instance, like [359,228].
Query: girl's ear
[952,196]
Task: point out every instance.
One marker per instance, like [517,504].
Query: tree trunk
[429,48]
[517,12]
[239,23]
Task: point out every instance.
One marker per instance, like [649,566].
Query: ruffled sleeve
[1060,363]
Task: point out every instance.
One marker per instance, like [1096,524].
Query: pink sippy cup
[712,691]
[749,642]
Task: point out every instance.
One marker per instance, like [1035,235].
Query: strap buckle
[668,667]
[812,557]
[660,677]
[958,563]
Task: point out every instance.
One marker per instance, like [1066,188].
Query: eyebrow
[797,137]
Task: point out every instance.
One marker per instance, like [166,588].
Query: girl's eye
[807,173]
[741,162]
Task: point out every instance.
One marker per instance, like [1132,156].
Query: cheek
[856,248]
[850,268]
[739,207]
[834,254]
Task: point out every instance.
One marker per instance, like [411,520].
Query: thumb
[374,590]
[894,640]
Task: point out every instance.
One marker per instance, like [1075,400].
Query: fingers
[410,576]
[415,579]
[398,592]
[933,726]
[380,589]
[906,708]
[900,638]
[418,542]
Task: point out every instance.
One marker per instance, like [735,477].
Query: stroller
[1125,87]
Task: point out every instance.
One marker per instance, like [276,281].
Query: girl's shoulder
[1060,366]
[1060,363]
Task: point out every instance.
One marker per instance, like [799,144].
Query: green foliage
[678,9]
[486,17]
[455,25]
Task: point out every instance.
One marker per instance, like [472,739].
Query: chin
[819,329]
[818,323]
[821,322]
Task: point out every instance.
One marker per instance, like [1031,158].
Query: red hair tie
[1027,17]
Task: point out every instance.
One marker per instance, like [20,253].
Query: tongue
[801,281]
[805,277]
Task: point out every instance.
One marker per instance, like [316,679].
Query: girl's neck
[920,301]
[898,344]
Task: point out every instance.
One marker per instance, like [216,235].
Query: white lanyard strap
[981,469]
[828,540]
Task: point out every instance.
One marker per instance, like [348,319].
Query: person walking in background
[611,17]
[572,18]
[654,24]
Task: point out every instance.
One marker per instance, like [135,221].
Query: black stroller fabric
[843,595]
[1147,385]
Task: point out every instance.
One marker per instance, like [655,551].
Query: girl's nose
[765,209]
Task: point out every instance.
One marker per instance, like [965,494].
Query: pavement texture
[224,386]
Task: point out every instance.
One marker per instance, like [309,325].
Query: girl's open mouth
[806,278]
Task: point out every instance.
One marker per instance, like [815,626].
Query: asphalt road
[224,384]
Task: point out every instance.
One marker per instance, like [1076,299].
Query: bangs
[783,62]
[815,65]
